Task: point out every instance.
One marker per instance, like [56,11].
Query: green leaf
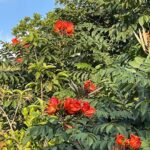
[121,130]
[141,21]
[83,66]
[109,128]
[63,74]
[137,62]
[37,75]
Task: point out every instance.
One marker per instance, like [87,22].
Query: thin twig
[8,120]
[15,114]
[95,91]
[41,89]
[35,55]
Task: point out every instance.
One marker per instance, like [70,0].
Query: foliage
[102,48]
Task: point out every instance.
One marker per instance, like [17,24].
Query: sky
[12,11]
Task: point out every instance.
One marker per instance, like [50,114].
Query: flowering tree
[78,79]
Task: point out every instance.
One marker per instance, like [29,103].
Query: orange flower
[89,86]
[58,26]
[135,142]
[54,101]
[127,142]
[51,109]
[92,87]
[87,110]
[120,139]
[72,106]
[64,27]
[69,28]
[19,60]
[15,41]
[52,105]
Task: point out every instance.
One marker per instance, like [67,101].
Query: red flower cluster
[15,41]
[53,105]
[89,86]
[64,27]
[134,142]
[19,60]
[87,110]
[71,107]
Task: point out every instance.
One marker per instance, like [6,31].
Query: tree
[94,42]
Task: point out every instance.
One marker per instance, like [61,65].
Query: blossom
[52,105]
[54,101]
[64,27]
[19,60]
[135,142]
[72,106]
[15,41]
[120,139]
[127,142]
[89,86]
[87,110]
[69,28]
[58,26]
[51,109]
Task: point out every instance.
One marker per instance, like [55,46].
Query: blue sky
[12,11]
